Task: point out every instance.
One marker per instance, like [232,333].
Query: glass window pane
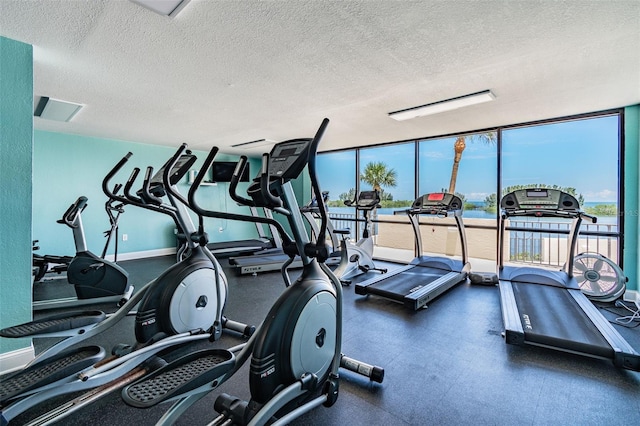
[337,175]
[391,169]
[467,166]
[579,157]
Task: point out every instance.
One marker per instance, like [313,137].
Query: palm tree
[378,175]
[459,146]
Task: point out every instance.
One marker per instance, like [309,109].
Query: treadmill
[266,259]
[546,308]
[248,246]
[425,277]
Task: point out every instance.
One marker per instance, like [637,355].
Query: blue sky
[582,154]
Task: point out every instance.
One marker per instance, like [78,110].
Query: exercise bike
[357,258]
[184,304]
[42,264]
[95,279]
[296,352]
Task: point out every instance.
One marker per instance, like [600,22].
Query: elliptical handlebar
[109,204]
[147,196]
[167,178]
[321,250]
[127,187]
[235,179]
[274,202]
[128,197]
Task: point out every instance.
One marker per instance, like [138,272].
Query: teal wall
[16,136]
[631,195]
[67,166]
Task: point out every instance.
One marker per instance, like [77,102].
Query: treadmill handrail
[440,211]
[571,214]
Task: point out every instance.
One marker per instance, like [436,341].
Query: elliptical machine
[357,258]
[296,352]
[184,304]
[113,211]
[95,279]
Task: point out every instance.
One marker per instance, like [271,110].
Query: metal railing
[546,243]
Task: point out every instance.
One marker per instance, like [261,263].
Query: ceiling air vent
[56,110]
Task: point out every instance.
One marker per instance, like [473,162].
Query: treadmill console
[436,203]
[537,201]
[289,158]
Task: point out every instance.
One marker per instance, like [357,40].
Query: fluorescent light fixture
[442,106]
[168,8]
[254,144]
[54,109]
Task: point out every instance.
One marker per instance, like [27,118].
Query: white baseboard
[14,360]
[143,254]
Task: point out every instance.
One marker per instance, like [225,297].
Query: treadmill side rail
[419,298]
[513,331]
[624,355]
[361,288]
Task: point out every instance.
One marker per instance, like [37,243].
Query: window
[467,166]
[579,157]
[337,174]
[473,177]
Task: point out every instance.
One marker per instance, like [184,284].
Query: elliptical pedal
[186,374]
[52,370]
[54,323]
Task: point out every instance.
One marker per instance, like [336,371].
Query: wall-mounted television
[222,171]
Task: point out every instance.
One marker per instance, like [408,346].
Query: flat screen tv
[221,171]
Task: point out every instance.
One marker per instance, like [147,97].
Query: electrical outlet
[125,237]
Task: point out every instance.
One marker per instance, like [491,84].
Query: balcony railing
[545,244]
[549,248]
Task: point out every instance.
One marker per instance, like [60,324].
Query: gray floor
[445,365]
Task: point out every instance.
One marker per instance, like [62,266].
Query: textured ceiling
[227,72]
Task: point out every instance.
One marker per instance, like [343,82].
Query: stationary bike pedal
[52,369]
[54,324]
[198,369]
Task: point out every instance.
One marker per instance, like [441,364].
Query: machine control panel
[539,199]
[179,170]
[289,158]
[367,200]
[436,203]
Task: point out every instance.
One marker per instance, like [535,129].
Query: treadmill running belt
[397,286]
[550,317]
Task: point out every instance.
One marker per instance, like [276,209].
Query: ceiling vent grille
[56,110]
